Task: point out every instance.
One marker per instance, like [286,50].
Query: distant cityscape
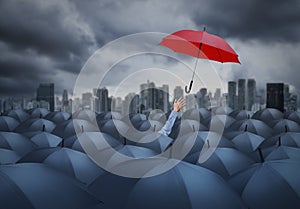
[241,95]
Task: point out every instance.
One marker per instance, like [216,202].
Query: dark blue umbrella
[284,152]
[108,115]
[16,142]
[115,128]
[38,112]
[88,115]
[36,124]
[44,139]
[247,142]
[294,116]
[184,186]
[241,114]
[272,184]
[284,125]
[197,114]
[38,155]
[36,186]
[74,164]
[58,117]
[291,139]
[8,156]
[18,114]
[227,161]
[219,123]
[8,123]
[268,115]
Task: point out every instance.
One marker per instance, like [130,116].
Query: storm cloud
[49,41]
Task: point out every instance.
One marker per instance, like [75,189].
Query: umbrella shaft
[200,46]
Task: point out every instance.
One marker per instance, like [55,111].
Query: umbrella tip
[43,127]
[82,129]
[246,127]
[286,128]
[154,127]
[279,141]
[261,155]
[204,28]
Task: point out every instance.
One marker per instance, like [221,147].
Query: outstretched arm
[177,105]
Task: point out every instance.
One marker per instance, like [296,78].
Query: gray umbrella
[38,155]
[291,139]
[247,142]
[196,114]
[184,186]
[252,125]
[284,125]
[222,110]
[114,127]
[241,114]
[16,142]
[219,122]
[284,152]
[36,186]
[185,126]
[8,123]
[268,115]
[44,139]
[8,156]
[227,161]
[36,124]
[74,164]
[73,126]
[294,116]
[58,117]
[272,184]
[108,115]
[18,114]
[38,112]
[88,115]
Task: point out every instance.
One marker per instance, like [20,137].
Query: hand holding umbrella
[200,44]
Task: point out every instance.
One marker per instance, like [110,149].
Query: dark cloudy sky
[49,41]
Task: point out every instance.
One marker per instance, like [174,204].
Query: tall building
[87,101]
[65,99]
[275,96]
[287,96]
[242,94]
[202,98]
[251,93]
[191,102]
[232,99]
[178,92]
[45,92]
[101,102]
[131,104]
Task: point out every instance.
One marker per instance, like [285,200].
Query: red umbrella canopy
[211,47]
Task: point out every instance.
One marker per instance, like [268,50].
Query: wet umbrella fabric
[36,186]
[184,186]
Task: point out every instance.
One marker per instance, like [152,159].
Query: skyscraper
[65,100]
[275,96]
[178,92]
[251,93]
[242,94]
[232,94]
[101,100]
[45,92]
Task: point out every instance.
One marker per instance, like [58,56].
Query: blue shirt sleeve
[166,129]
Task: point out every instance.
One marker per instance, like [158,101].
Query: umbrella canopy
[241,114]
[38,112]
[284,152]
[291,139]
[247,142]
[58,117]
[294,116]
[222,110]
[200,44]
[8,156]
[38,155]
[71,127]
[34,185]
[36,124]
[8,123]
[184,186]
[254,126]
[114,127]
[219,123]
[197,114]
[272,184]
[227,161]
[284,125]
[88,115]
[18,114]
[44,139]
[268,115]
[108,115]
[153,141]
[16,142]
[74,164]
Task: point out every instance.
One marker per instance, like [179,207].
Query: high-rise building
[178,92]
[191,102]
[101,102]
[232,98]
[87,101]
[287,96]
[65,99]
[45,92]
[242,94]
[292,106]
[275,96]
[131,104]
[251,93]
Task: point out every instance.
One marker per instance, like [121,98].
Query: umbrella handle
[190,87]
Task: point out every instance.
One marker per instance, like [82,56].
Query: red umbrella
[200,44]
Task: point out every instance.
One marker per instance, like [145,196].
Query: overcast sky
[51,41]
